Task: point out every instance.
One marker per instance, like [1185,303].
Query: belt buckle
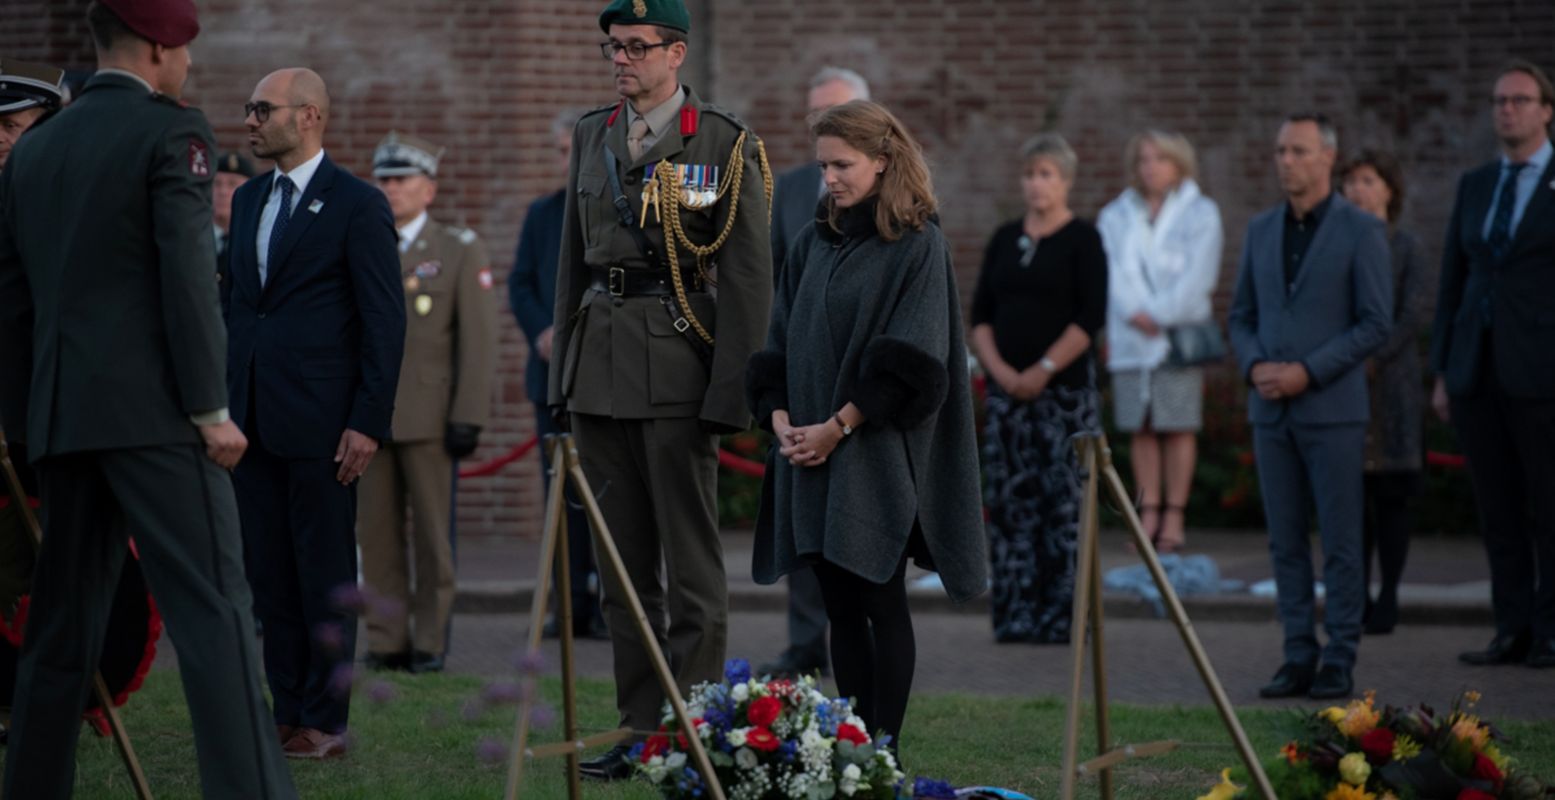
[617,282]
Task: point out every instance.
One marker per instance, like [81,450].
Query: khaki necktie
[635,136]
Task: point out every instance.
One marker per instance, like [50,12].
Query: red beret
[170,23]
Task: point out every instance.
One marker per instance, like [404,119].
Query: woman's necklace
[1029,241]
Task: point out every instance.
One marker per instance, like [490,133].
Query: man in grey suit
[1313,300]
[794,199]
[111,351]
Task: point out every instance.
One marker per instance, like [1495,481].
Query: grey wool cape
[858,319]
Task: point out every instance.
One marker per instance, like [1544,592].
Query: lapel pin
[316,206]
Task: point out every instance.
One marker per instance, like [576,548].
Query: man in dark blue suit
[1493,351]
[1314,298]
[316,333]
[532,295]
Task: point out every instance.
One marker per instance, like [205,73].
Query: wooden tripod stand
[566,467]
[1096,460]
[13,485]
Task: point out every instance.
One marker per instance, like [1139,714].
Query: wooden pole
[1092,536]
[1079,622]
[569,665]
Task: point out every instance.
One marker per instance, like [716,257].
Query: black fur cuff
[899,383]
[766,385]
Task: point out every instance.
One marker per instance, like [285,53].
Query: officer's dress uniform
[645,407]
[450,357]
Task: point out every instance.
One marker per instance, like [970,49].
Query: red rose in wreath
[764,711]
[1474,794]
[763,740]
[655,746]
[1486,770]
[1377,744]
[849,733]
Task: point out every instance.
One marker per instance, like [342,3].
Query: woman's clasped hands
[808,446]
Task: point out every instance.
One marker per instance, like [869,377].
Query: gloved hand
[562,418]
[460,439]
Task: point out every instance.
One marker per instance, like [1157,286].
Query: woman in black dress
[1041,298]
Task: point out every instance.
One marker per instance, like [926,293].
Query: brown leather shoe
[312,743]
[285,732]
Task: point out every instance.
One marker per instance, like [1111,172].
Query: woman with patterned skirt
[1040,300]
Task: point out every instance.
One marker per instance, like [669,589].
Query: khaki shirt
[623,357]
[450,333]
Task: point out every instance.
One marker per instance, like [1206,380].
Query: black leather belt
[623,282]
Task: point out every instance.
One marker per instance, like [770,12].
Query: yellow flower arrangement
[1469,730]
[1345,791]
[1496,757]
[1405,747]
[1354,769]
[1360,717]
[1225,790]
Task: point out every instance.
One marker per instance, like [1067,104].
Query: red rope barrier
[1448,460]
[495,465]
[744,466]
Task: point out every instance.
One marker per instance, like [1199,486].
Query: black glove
[460,439]
[562,418]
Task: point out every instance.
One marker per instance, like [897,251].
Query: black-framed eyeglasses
[1514,100]
[635,51]
[261,110]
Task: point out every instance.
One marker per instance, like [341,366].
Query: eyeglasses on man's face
[261,110]
[635,51]
[1517,101]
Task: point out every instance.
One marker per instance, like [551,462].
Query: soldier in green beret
[663,291]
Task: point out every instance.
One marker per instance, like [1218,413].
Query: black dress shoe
[1292,680]
[794,662]
[1504,649]
[422,662]
[1382,617]
[614,764]
[385,662]
[1542,654]
[1332,682]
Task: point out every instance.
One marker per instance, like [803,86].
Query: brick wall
[972,78]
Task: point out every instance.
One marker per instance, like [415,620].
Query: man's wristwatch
[1048,365]
[847,430]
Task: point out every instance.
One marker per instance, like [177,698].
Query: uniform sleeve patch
[199,158]
[484,276]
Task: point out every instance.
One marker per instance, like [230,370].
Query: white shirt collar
[300,175]
[412,230]
[1539,160]
[132,76]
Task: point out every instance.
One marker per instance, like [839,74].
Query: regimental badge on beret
[668,13]
[639,8]
[25,85]
[235,163]
[400,154]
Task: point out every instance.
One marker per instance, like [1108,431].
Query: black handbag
[1195,345]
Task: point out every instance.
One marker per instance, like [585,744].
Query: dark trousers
[299,546]
[806,616]
[580,553]
[657,485]
[874,651]
[1510,444]
[179,508]
[1389,520]
[1299,464]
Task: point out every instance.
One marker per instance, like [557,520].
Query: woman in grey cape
[863,381]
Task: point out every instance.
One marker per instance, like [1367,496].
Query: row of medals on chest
[425,271]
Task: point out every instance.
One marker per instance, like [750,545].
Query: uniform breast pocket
[591,202]
[675,371]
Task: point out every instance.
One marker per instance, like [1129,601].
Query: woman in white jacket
[1163,240]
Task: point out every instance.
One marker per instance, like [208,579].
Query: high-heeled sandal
[1153,535]
[1166,546]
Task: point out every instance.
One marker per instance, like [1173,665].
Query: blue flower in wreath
[923,788]
[737,670]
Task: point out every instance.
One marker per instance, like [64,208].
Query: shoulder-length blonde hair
[905,190]
[1174,146]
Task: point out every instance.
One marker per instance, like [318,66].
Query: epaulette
[739,124]
[168,99]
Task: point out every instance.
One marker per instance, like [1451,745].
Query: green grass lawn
[427,743]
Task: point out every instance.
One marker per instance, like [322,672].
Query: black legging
[873,651]
[1389,519]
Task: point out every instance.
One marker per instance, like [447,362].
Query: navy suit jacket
[794,198]
[1518,292]
[1339,311]
[532,285]
[318,348]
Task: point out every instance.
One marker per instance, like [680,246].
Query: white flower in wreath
[675,761]
[736,736]
[657,770]
[850,778]
[740,692]
[745,758]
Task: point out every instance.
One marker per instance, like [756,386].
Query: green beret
[669,13]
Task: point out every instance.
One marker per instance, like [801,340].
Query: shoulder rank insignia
[688,120]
